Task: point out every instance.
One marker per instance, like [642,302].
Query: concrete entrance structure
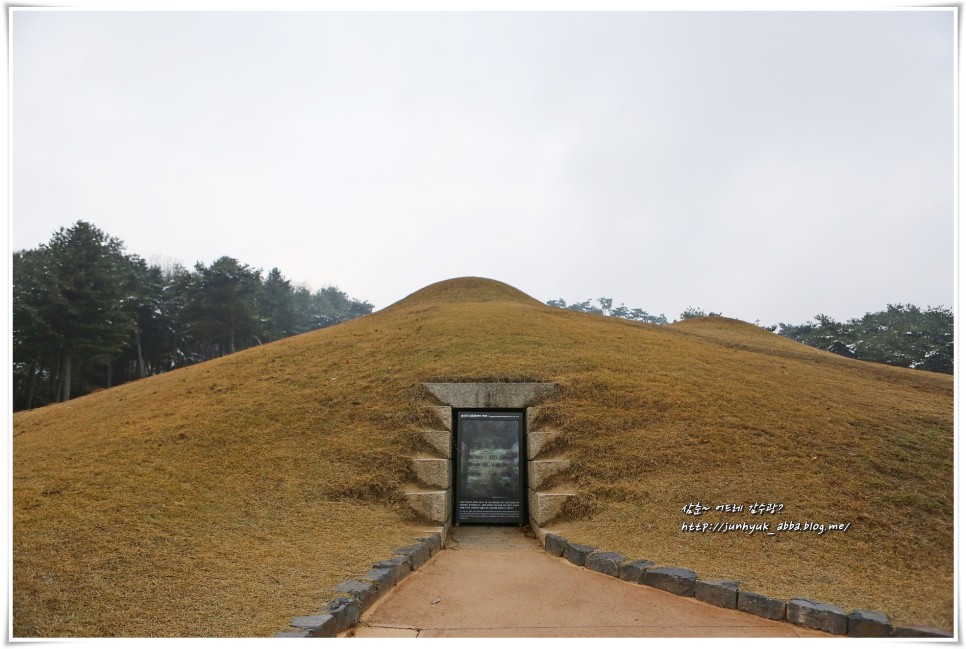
[432,497]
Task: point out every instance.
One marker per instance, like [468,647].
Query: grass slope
[224,498]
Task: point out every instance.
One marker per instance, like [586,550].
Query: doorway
[490,472]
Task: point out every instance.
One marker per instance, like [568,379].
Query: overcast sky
[770,166]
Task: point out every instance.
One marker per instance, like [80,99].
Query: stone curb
[357,595]
[576,553]
[722,593]
[817,615]
[726,593]
[634,571]
[608,563]
[679,581]
[868,624]
[761,605]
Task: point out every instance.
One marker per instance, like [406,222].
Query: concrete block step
[433,505]
[539,471]
[433,471]
[546,505]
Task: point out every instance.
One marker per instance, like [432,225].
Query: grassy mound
[224,498]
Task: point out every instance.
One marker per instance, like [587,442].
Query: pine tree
[90,283]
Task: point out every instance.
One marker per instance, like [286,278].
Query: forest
[88,315]
[901,334]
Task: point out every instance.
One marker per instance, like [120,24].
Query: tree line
[903,335]
[88,315]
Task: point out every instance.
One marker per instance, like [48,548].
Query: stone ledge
[435,506]
[538,440]
[443,415]
[539,471]
[433,471]
[532,414]
[545,505]
[440,441]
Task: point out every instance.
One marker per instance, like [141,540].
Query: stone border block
[398,567]
[554,544]
[317,626]
[608,563]
[364,592]
[345,610]
[726,593]
[817,615]
[679,581]
[576,553]
[919,632]
[634,571]
[717,592]
[357,595]
[385,578]
[418,554]
[761,605]
[435,541]
[864,623]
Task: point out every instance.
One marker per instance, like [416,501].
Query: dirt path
[496,582]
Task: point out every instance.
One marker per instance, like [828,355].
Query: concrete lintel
[490,395]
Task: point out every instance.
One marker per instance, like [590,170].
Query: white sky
[770,166]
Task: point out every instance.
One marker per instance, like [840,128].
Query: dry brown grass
[225,498]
